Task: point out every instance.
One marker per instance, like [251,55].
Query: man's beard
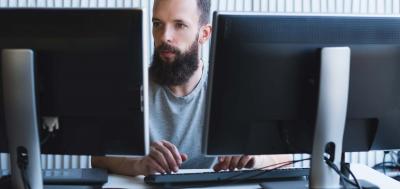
[177,72]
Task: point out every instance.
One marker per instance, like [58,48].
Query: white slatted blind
[280,6]
[368,158]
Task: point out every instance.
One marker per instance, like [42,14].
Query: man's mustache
[170,48]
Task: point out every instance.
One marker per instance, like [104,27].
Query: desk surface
[361,172]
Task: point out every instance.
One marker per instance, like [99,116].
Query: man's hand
[164,158]
[233,162]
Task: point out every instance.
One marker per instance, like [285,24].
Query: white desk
[361,172]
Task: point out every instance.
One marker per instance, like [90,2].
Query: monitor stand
[331,116]
[21,119]
[22,130]
[330,123]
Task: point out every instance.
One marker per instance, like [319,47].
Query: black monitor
[3,136]
[88,70]
[265,81]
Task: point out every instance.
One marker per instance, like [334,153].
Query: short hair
[204,7]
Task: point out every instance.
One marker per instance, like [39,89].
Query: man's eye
[181,26]
[156,24]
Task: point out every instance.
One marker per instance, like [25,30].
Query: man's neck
[186,88]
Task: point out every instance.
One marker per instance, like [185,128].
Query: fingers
[164,157]
[184,157]
[154,167]
[233,162]
[250,163]
[223,163]
[246,162]
[217,167]
[226,162]
[158,156]
[175,153]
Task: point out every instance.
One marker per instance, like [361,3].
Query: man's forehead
[176,10]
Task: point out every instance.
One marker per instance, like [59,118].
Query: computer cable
[46,138]
[50,126]
[343,182]
[358,185]
[336,169]
[354,177]
[398,157]
[393,164]
[341,176]
[384,159]
[393,156]
[22,161]
[387,164]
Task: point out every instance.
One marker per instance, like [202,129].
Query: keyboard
[225,177]
[72,176]
[396,178]
[92,176]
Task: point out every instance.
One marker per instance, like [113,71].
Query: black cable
[391,157]
[22,162]
[336,169]
[44,140]
[398,157]
[24,180]
[47,133]
[343,183]
[384,159]
[392,164]
[354,177]
[385,164]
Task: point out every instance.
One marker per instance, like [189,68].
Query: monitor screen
[89,75]
[264,82]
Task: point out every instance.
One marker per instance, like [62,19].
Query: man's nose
[167,35]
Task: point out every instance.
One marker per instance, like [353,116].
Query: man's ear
[205,33]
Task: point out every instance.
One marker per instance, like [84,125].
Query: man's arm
[164,157]
[118,165]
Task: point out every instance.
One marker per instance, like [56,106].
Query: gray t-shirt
[180,120]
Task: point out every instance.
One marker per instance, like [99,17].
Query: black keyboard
[73,176]
[226,176]
[396,178]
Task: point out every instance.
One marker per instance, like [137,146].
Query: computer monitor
[87,74]
[265,80]
[3,141]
